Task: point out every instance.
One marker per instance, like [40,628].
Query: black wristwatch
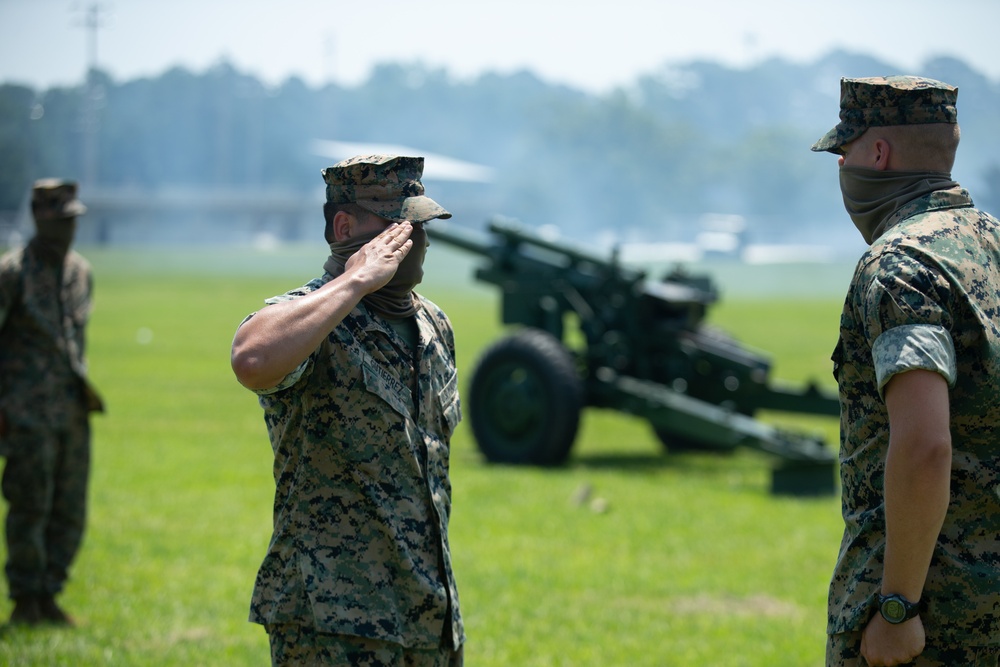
[896,609]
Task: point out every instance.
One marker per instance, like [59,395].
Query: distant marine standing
[45,403]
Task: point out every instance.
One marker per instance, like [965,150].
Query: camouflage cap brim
[74,209]
[843,133]
[414,209]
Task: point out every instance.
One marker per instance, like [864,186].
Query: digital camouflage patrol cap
[387,185]
[888,100]
[55,199]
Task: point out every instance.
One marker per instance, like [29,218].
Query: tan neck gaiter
[394,300]
[871,196]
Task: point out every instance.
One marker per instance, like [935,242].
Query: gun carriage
[645,350]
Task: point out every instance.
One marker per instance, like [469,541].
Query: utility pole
[93,19]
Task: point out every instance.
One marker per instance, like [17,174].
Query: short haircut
[924,147]
[330,210]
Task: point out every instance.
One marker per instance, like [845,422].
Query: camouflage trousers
[844,650]
[296,645]
[45,485]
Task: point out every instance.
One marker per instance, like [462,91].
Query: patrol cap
[55,199]
[888,100]
[387,185]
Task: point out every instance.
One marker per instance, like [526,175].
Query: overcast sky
[583,43]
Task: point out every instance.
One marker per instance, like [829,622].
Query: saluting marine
[356,375]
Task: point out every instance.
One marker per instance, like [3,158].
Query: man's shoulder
[77,263]
[939,236]
[430,306]
[13,259]
[76,259]
[435,313]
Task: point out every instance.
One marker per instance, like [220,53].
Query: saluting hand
[376,262]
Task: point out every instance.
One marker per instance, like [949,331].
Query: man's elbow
[927,456]
[935,450]
[249,370]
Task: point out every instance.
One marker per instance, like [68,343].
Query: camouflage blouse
[361,449]
[926,295]
[44,310]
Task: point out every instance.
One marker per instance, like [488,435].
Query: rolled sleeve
[911,347]
[289,379]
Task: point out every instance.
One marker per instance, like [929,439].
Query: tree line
[648,159]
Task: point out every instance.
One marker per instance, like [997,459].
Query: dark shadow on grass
[626,462]
[739,470]
[664,460]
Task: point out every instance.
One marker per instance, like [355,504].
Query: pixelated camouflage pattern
[297,645]
[55,199]
[44,310]
[362,501]
[894,100]
[938,265]
[387,185]
[45,398]
[45,485]
[914,346]
[844,650]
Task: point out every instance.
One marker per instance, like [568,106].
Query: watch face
[894,609]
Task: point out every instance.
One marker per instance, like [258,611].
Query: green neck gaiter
[871,196]
[395,299]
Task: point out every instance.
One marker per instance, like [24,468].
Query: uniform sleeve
[914,346]
[906,319]
[289,379]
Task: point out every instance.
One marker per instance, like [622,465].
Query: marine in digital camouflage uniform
[919,352]
[356,375]
[45,399]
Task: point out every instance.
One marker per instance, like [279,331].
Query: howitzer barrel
[508,240]
[514,235]
[464,239]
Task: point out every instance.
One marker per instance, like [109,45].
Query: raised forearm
[273,342]
[278,338]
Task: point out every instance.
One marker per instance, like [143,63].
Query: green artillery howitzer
[645,351]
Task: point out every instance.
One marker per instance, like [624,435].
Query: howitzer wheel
[525,400]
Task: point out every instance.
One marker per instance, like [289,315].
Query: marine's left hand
[884,644]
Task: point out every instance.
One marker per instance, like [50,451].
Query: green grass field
[692,563]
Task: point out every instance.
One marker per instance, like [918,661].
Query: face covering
[395,299]
[53,238]
[871,196]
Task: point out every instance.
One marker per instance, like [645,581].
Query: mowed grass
[684,559]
